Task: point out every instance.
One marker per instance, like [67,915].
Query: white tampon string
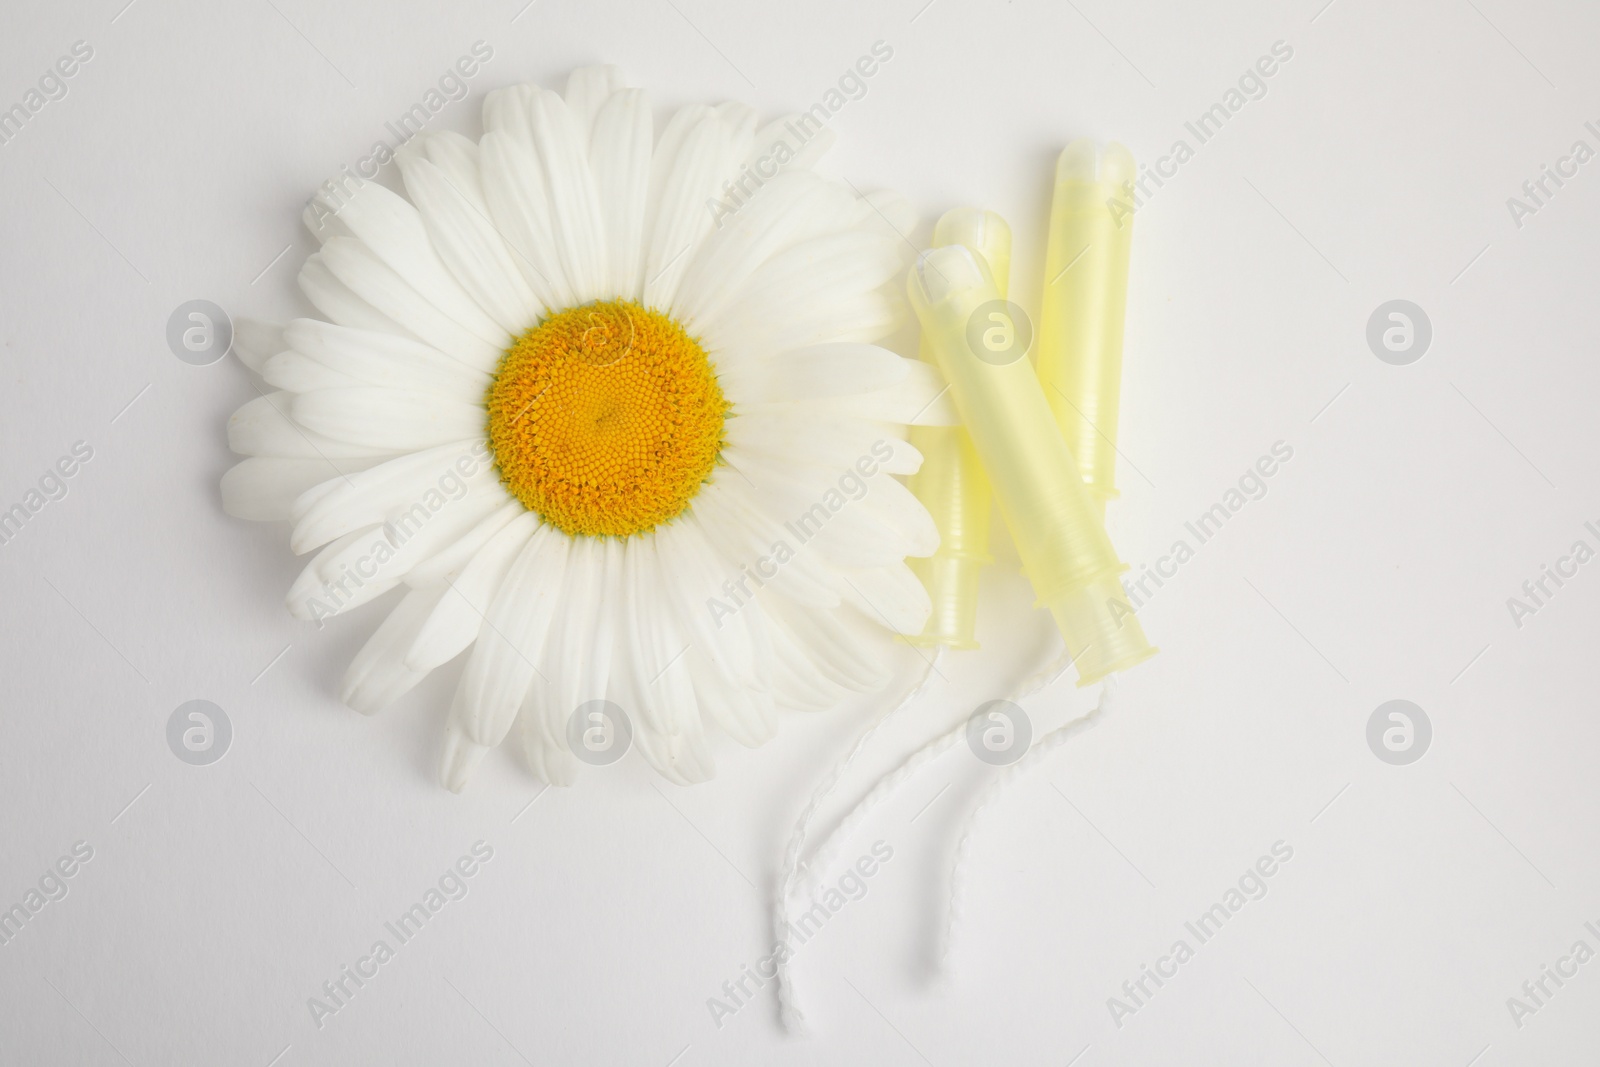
[826,851]
[822,859]
[1035,755]
[788,1007]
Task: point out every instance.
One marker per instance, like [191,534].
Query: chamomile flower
[604,405]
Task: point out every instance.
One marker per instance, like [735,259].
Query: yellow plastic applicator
[1056,526]
[951,482]
[1084,304]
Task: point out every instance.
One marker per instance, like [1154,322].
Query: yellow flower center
[605,419]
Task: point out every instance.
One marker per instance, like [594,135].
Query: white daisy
[606,407]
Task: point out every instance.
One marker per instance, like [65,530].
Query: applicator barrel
[951,482]
[1055,524]
[1084,306]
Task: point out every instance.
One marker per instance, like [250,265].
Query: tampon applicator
[1084,304]
[1056,526]
[951,482]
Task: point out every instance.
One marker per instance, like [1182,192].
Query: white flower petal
[377,494]
[378,676]
[885,511]
[450,561]
[892,595]
[799,433]
[364,564]
[264,427]
[652,681]
[802,136]
[458,159]
[255,342]
[922,399]
[741,120]
[666,153]
[796,681]
[502,664]
[588,88]
[579,658]
[392,420]
[829,646]
[850,521]
[747,715]
[744,526]
[787,210]
[891,504]
[861,316]
[458,619]
[513,186]
[462,756]
[392,230]
[693,580]
[820,372]
[819,270]
[550,759]
[296,373]
[554,761]
[307,598]
[619,156]
[563,153]
[805,280]
[264,488]
[505,111]
[470,247]
[375,358]
[339,302]
[731,684]
[679,217]
[353,263]
[890,214]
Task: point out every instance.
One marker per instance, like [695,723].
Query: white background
[1418,499]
